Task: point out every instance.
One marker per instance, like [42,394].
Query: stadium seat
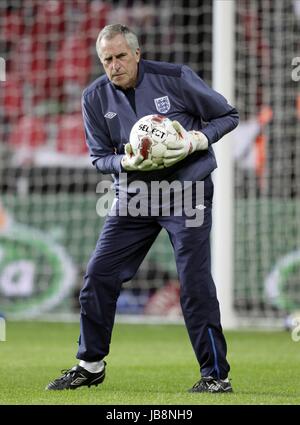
[28,132]
[95,19]
[70,136]
[73,61]
[30,62]
[11,96]
[12,27]
[49,23]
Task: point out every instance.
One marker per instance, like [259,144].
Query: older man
[130,89]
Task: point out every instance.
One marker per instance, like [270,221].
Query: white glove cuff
[199,140]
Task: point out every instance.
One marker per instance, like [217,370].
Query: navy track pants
[121,248]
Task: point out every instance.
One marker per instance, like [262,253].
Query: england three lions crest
[162,104]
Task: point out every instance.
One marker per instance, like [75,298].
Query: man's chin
[122,82]
[120,79]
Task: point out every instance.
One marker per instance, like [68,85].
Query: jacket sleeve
[97,137]
[212,107]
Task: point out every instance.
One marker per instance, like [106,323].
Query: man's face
[119,62]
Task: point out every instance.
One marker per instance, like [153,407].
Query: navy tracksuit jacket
[109,114]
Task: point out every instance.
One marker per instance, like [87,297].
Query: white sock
[93,367]
[224,380]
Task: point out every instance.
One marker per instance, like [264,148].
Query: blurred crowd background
[49,48]
[48,187]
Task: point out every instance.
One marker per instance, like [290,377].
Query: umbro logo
[79,380]
[110,115]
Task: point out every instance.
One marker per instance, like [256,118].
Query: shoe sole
[230,390]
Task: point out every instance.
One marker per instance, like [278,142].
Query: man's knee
[97,268]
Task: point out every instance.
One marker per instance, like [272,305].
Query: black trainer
[211,385]
[77,377]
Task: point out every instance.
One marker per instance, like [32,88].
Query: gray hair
[110,31]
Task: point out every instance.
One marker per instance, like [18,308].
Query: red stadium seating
[70,137]
[49,24]
[12,27]
[95,20]
[29,132]
[73,60]
[12,96]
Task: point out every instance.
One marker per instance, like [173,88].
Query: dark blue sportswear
[180,94]
[109,114]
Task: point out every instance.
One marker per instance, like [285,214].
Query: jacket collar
[141,72]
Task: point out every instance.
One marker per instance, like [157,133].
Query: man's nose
[115,64]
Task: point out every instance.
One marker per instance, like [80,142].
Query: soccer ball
[292,320]
[150,136]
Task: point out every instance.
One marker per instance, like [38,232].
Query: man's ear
[138,54]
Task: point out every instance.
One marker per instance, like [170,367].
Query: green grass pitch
[148,364]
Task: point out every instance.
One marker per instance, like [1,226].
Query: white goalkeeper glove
[136,162]
[186,143]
